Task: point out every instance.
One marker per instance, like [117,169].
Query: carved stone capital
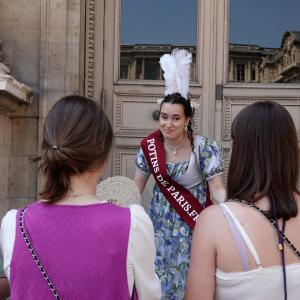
[3,68]
[13,94]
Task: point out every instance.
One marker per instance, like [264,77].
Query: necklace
[174,148]
[80,198]
[77,195]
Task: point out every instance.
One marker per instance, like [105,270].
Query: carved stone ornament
[12,92]
[288,43]
[3,68]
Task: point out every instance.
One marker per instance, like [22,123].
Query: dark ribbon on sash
[183,201]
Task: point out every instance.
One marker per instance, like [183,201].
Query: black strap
[273,222]
[281,236]
[35,257]
[280,240]
[280,244]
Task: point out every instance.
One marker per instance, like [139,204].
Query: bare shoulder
[212,218]
[239,208]
[209,212]
[211,215]
[209,227]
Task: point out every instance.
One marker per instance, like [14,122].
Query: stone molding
[242,101]
[12,92]
[230,101]
[119,152]
[121,99]
[90,44]
[21,92]
[226,160]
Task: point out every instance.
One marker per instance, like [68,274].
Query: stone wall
[5,133]
[20,31]
[41,45]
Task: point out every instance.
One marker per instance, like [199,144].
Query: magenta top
[83,249]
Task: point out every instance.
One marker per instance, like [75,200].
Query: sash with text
[183,201]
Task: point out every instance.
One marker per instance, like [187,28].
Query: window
[240,72]
[124,71]
[149,30]
[264,34]
[152,70]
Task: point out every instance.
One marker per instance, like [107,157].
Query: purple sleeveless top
[83,249]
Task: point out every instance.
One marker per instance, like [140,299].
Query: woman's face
[172,121]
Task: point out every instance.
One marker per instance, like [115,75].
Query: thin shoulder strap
[273,222]
[34,255]
[243,233]
[238,240]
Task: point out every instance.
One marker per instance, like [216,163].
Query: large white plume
[176,67]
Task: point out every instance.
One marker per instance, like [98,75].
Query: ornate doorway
[125,38]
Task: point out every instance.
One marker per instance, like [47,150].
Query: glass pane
[151,28]
[264,41]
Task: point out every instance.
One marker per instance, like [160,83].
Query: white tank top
[258,284]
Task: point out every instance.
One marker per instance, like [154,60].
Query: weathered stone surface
[43,52]
[21,46]
[4,176]
[22,177]
[5,135]
[24,137]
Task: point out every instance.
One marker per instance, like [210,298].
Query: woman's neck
[82,189]
[178,141]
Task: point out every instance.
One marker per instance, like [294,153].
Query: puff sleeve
[210,159]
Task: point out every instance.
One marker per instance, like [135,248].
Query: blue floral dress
[172,235]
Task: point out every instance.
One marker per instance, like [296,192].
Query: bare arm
[201,275]
[217,190]
[140,179]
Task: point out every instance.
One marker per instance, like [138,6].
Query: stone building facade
[51,48]
[14,96]
[247,63]
[40,51]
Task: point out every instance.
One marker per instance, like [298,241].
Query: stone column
[61,49]
[256,72]
[231,72]
[142,76]
[248,73]
[132,74]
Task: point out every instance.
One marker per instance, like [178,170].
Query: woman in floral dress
[195,163]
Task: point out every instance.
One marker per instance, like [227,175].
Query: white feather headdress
[176,67]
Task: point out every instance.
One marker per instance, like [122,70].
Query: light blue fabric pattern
[172,235]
